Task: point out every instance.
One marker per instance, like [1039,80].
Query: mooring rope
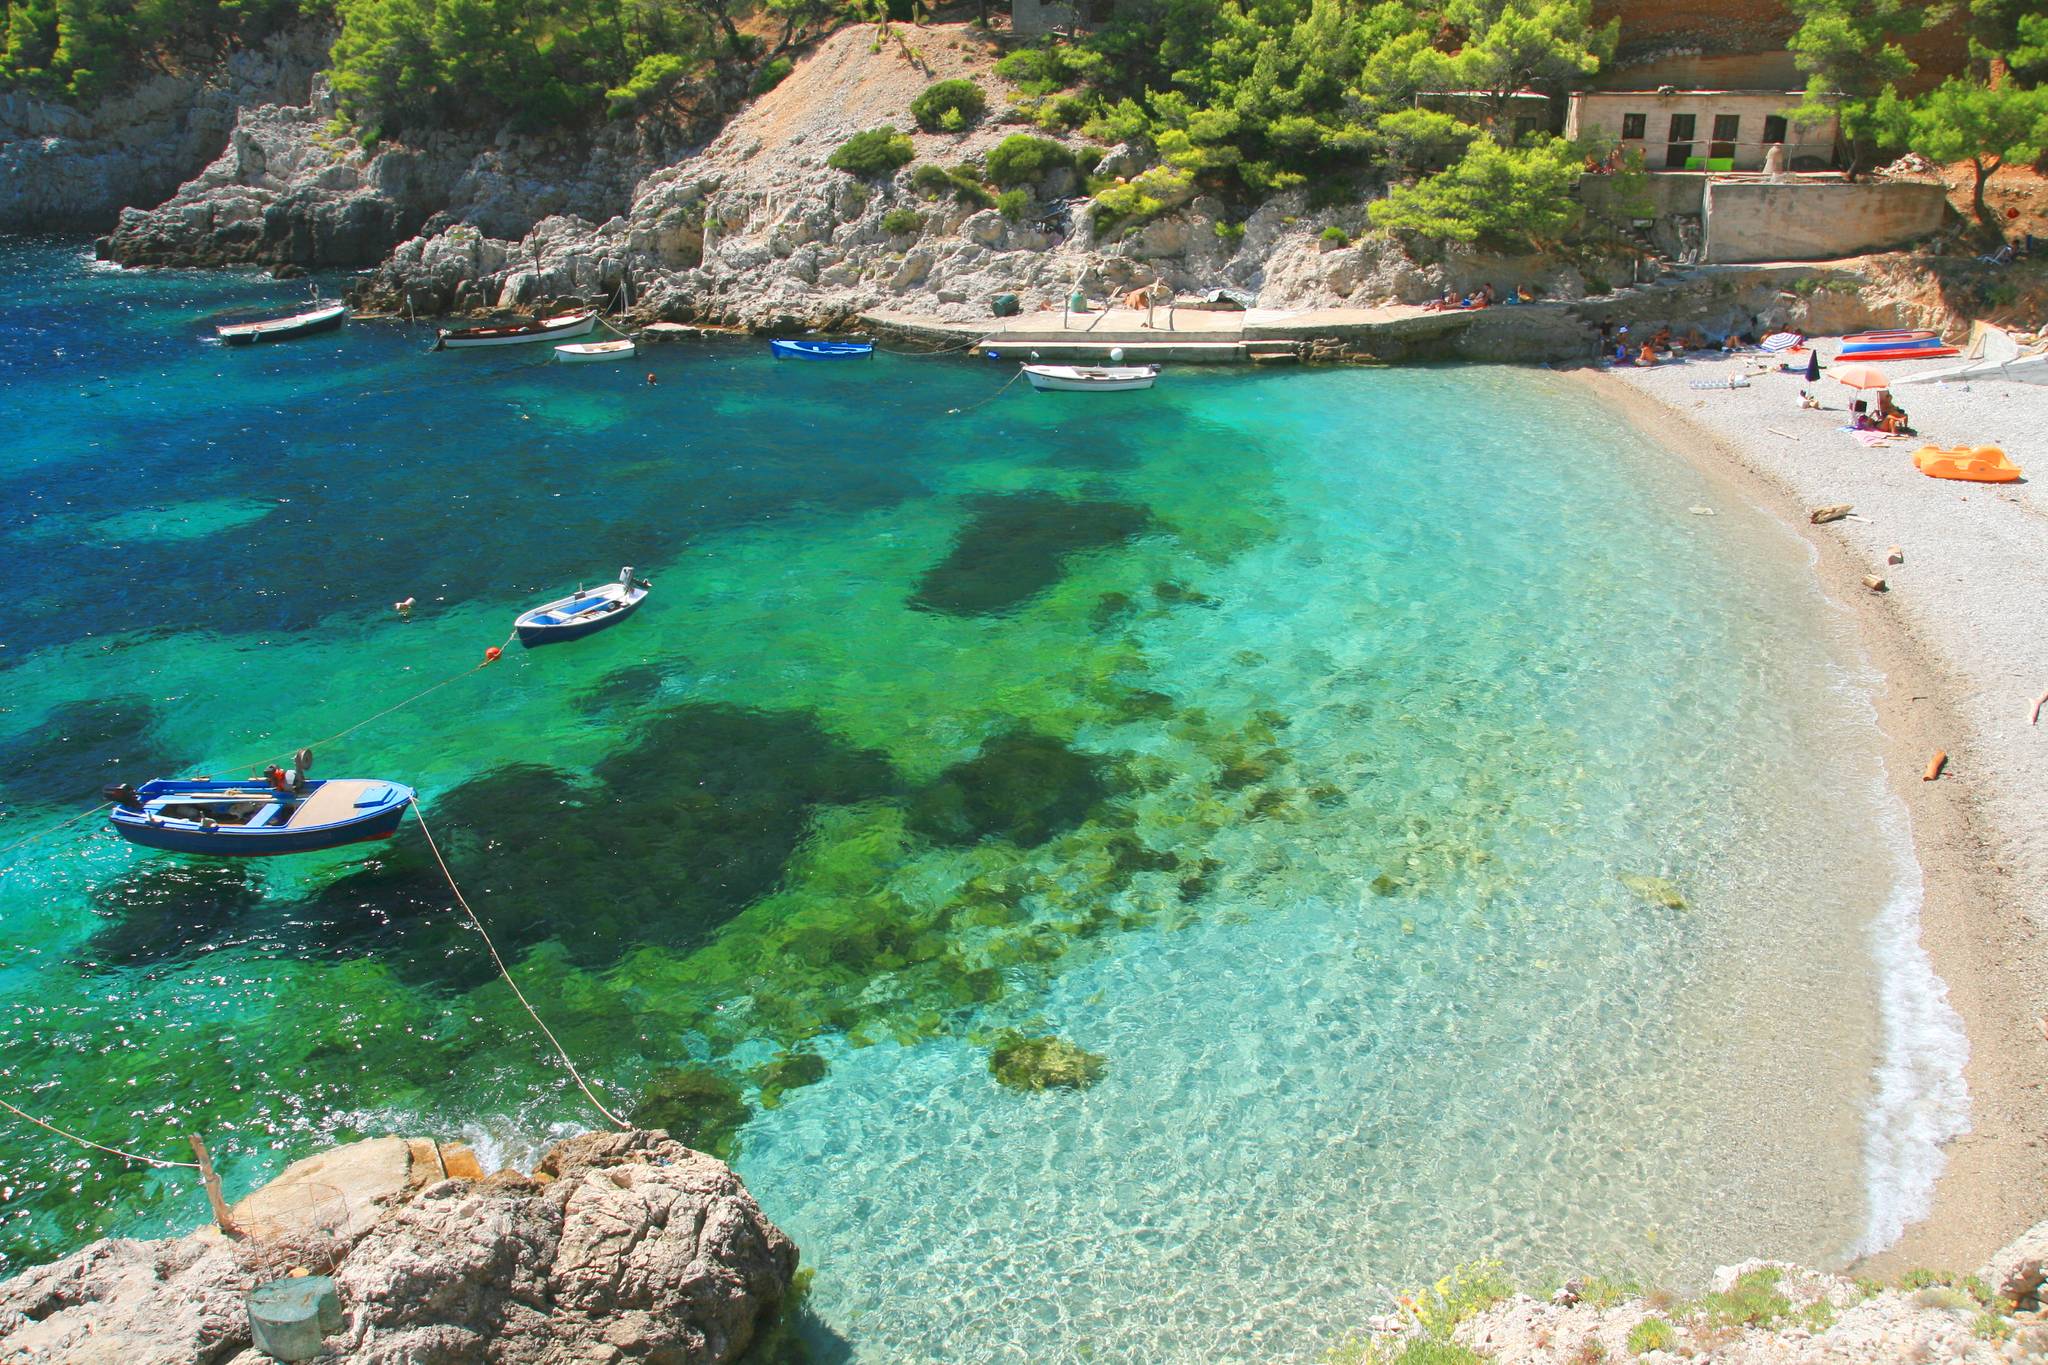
[97,1146]
[42,834]
[503,971]
[955,412]
[940,350]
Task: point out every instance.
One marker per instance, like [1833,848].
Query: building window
[1636,127]
[1774,128]
[1524,126]
[1679,150]
[1727,127]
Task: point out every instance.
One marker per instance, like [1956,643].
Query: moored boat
[320,318]
[517,333]
[1934,352]
[1887,338]
[589,352]
[787,349]
[1091,378]
[277,813]
[582,613]
[1907,345]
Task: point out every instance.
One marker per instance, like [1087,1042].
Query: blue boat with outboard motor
[582,613]
[281,811]
[820,350]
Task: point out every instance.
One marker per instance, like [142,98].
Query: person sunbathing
[1807,400]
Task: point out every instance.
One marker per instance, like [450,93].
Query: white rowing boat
[518,333]
[1091,378]
[589,352]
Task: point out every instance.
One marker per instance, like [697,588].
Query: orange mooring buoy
[491,654]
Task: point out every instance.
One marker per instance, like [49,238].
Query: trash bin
[1078,303]
[1006,306]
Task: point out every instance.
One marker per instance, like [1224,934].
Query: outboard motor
[124,796]
[626,576]
[302,763]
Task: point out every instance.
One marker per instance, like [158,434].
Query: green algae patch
[662,844]
[1030,1064]
[1016,546]
[697,1107]
[790,1071]
[1657,891]
[1021,786]
[169,910]
[79,747]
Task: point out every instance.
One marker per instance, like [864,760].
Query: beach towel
[1870,438]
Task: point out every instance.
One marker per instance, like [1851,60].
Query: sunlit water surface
[1392,775]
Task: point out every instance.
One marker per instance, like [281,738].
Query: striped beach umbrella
[1782,341]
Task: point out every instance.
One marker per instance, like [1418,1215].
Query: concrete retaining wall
[1816,221]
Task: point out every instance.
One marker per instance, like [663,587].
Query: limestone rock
[2019,1269]
[620,1247]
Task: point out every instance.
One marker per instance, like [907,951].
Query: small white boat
[2025,369]
[582,613]
[1091,378]
[518,333]
[588,352]
[320,317]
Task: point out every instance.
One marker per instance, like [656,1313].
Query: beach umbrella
[1782,341]
[1861,376]
[1812,367]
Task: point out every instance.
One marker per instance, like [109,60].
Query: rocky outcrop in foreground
[619,1247]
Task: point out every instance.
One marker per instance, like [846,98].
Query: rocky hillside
[750,229]
[619,1247]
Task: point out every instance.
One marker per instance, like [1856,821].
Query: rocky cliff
[751,228]
[62,167]
[618,1247]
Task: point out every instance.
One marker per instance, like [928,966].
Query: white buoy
[1116,353]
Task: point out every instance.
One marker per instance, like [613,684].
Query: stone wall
[1816,220]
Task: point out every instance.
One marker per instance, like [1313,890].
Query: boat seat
[337,799]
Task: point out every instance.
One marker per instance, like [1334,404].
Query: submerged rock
[1659,891]
[1043,1063]
[695,1105]
[620,1247]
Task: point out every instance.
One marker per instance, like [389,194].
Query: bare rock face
[121,1302]
[620,1247]
[62,166]
[2020,1268]
[636,1244]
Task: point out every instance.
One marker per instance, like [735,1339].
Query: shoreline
[1965,847]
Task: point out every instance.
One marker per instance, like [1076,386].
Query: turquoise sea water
[1323,750]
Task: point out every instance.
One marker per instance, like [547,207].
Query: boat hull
[534,632]
[596,352]
[284,329]
[476,338]
[820,350]
[1078,379]
[376,820]
[1928,353]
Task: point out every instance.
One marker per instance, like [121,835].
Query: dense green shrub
[902,222]
[948,106]
[1336,236]
[1012,203]
[1508,196]
[932,180]
[771,74]
[78,49]
[1022,159]
[877,151]
[654,78]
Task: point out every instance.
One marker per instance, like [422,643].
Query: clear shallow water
[1317,748]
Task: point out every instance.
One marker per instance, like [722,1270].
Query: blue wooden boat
[582,613]
[257,818]
[819,350]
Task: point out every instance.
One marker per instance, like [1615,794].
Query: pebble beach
[1956,632]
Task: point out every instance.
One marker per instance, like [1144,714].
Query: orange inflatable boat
[1979,464]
